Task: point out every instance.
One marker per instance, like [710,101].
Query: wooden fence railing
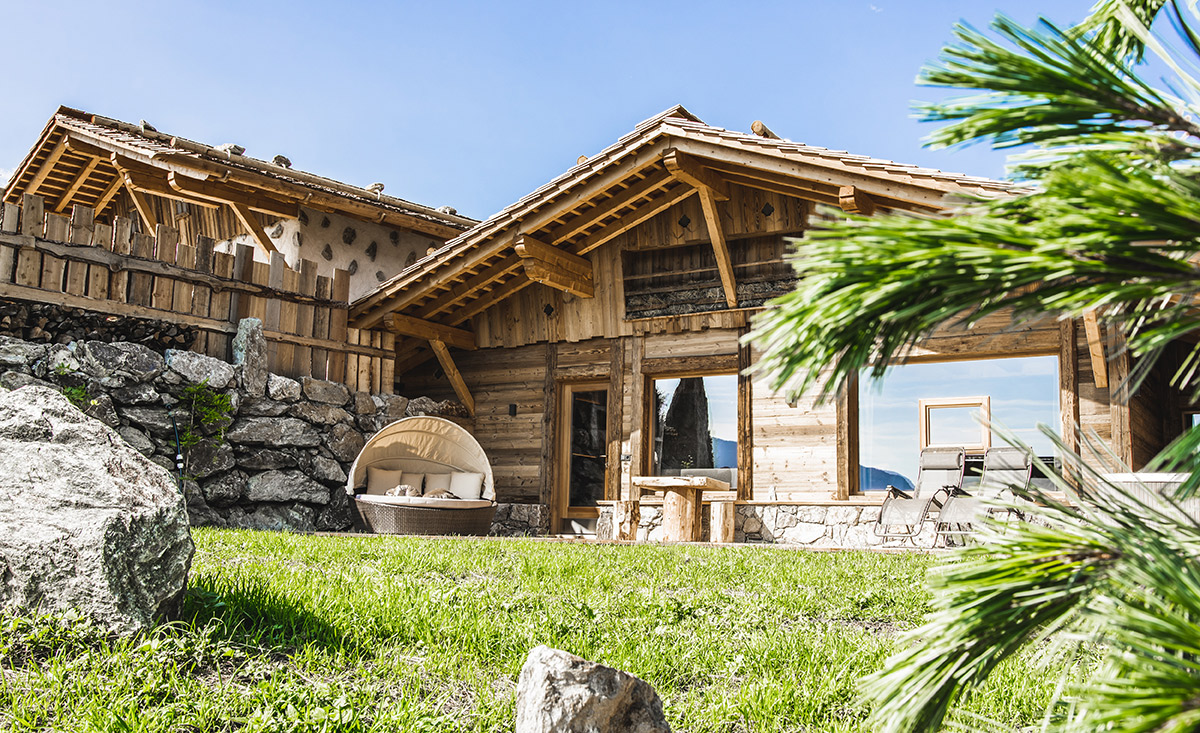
[78,262]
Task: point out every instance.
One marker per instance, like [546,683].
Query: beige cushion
[426,502]
[379,480]
[466,485]
[435,481]
[413,479]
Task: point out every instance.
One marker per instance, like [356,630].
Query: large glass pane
[1023,392]
[589,446]
[695,426]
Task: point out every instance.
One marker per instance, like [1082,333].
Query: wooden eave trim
[855,201]
[220,193]
[691,171]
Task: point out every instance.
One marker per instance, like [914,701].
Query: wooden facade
[651,263]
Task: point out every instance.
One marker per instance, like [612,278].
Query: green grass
[293,633]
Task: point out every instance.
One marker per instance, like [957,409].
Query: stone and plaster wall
[278,461]
[370,252]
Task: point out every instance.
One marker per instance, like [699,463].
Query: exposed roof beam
[498,294]
[632,219]
[611,207]
[149,184]
[685,168]
[1091,325]
[552,266]
[463,290]
[224,194]
[80,179]
[452,373]
[760,129]
[109,192]
[528,247]
[855,201]
[430,331]
[712,217]
[47,165]
[141,204]
[252,226]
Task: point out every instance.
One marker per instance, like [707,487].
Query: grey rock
[200,369]
[286,486]
[330,393]
[193,495]
[208,458]
[101,408]
[250,354]
[275,431]
[136,394]
[371,424]
[60,360]
[119,364]
[558,692]
[804,533]
[20,354]
[17,380]
[86,522]
[273,517]
[156,420]
[282,388]
[327,252]
[263,407]
[842,515]
[363,404]
[319,413]
[422,406]
[136,440]
[328,470]
[336,516]
[344,442]
[393,406]
[226,489]
[267,460]
[752,525]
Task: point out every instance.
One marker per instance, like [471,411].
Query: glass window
[695,426]
[1019,393]
[588,446]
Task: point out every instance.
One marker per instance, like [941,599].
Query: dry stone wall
[276,459]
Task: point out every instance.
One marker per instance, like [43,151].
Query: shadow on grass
[249,611]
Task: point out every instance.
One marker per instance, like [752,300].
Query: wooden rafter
[463,290]
[252,226]
[452,373]
[109,192]
[153,184]
[712,217]
[225,194]
[608,208]
[855,201]
[430,331]
[642,213]
[499,293]
[689,170]
[76,184]
[810,190]
[552,266]
[1091,325]
[47,166]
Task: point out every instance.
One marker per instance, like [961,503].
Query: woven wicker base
[390,519]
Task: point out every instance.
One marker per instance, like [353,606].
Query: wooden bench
[683,498]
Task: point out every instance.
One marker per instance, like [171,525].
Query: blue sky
[475,104]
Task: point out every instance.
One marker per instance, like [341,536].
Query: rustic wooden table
[683,497]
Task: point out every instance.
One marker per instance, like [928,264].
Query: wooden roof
[661,162]
[86,159]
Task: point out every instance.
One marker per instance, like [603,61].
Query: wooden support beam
[554,267]
[47,165]
[689,170]
[141,204]
[760,129]
[1068,384]
[459,338]
[854,201]
[1091,325]
[108,193]
[847,441]
[712,217]
[252,226]
[224,194]
[76,184]
[452,373]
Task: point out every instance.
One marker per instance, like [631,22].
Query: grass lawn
[297,633]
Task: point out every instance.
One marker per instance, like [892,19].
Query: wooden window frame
[561,500]
[982,402]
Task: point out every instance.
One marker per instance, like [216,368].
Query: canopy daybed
[427,453]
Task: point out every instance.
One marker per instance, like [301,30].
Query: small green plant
[78,396]
[208,412]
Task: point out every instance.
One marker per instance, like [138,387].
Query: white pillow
[466,485]
[435,481]
[412,479]
[379,480]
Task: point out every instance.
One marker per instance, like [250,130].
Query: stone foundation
[521,520]
[278,460]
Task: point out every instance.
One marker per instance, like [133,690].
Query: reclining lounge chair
[1004,469]
[939,474]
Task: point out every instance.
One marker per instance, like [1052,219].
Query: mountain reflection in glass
[695,424]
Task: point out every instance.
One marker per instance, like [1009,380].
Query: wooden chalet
[119,169]
[593,329]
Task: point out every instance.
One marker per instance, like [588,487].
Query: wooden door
[583,453]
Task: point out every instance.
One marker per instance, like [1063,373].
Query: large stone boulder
[561,693]
[86,522]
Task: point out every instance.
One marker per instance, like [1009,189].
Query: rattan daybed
[422,446]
